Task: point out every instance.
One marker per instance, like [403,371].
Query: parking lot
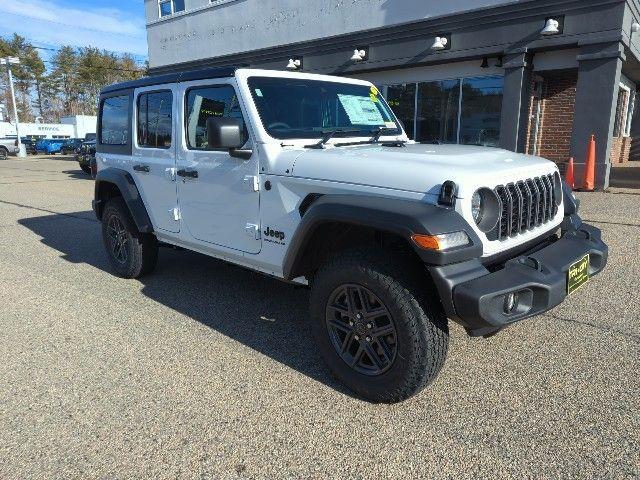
[205,370]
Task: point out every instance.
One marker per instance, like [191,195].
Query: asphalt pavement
[206,370]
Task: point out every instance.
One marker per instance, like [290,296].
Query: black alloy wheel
[361,329]
[117,236]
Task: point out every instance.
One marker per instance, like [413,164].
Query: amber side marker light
[442,242]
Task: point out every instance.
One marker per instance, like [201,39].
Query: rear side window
[114,124]
[205,102]
[154,119]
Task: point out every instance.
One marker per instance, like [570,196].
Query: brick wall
[556,100]
[620,150]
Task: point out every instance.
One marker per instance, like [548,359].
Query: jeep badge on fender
[274,234]
[392,244]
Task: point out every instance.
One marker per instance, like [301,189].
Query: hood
[420,167]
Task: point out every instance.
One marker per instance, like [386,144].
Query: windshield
[300,108]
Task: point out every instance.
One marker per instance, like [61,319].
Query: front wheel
[377,329]
[86,168]
[130,253]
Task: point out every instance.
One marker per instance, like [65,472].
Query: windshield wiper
[377,133]
[328,134]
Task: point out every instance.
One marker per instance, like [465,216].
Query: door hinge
[170,173]
[176,213]
[252,182]
[253,230]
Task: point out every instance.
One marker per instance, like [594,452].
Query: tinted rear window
[114,125]
[154,119]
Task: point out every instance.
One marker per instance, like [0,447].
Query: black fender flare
[398,216]
[130,194]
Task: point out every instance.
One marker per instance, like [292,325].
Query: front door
[217,193]
[153,157]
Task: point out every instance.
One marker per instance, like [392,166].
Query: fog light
[510,302]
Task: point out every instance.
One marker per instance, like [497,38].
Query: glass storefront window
[437,115]
[444,116]
[402,99]
[481,109]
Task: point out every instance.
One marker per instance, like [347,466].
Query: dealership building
[533,76]
[75,126]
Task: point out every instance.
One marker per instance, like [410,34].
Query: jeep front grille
[524,205]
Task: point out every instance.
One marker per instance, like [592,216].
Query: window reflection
[481,109]
[437,115]
[402,99]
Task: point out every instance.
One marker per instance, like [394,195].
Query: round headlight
[477,206]
[485,209]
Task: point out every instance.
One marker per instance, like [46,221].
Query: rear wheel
[377,329]
[130,253]
[86,168]
[4,153]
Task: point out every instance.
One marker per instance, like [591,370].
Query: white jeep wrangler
[311,179]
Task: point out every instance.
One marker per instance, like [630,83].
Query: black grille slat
[526,216]
[535,202]
[504,214]
[549,187]
[554,206]
[542,216]
[516,208]
[525,205]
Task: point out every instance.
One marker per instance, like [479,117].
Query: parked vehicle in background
[49,146]
[8,146]
[29,145]
[85,153]
[89,136]
[71,145]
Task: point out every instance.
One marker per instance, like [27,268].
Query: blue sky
[116,25]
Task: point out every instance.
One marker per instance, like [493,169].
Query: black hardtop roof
[220,72]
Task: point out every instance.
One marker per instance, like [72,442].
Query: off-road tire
[4,153]
[140,249]
[422,334]
[86,169]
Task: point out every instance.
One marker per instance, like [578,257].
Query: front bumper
[475,297]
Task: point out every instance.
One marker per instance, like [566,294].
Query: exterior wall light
[359,54]
[635,27]
[294,64]
[440,43]
[551,27]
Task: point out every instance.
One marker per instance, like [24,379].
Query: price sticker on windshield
[361,110]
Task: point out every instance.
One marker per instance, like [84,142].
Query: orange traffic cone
[569,174]
[590,166]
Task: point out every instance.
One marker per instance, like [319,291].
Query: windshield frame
[317,133]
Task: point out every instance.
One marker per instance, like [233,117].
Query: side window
[205,102]
[154,119]
[114,123]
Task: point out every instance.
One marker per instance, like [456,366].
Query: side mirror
[227,133]
[224,133]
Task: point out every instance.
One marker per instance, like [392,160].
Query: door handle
[187,173]
[141,168]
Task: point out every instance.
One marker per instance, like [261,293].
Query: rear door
[153,156]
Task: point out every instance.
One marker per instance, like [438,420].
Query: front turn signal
[442,242]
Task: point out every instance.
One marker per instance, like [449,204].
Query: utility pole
[8,61]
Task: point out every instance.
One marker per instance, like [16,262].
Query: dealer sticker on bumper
[578,274]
